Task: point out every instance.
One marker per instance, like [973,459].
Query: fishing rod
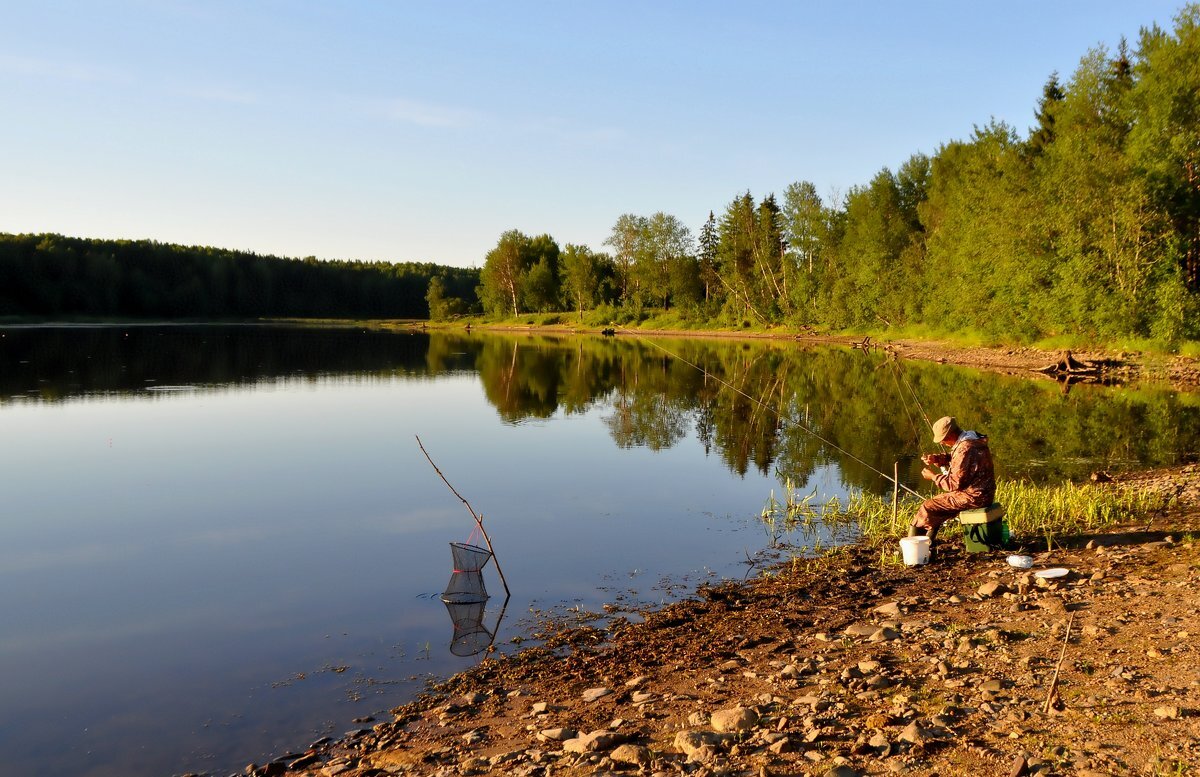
[803,427]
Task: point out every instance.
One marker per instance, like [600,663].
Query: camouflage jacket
[970,471]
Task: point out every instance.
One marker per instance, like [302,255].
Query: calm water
[221,543]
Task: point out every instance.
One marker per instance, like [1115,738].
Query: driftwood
[1068,365]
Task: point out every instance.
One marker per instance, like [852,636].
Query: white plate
[1048,574]
[1020,562]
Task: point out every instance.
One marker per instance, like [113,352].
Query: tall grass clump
[1032,511]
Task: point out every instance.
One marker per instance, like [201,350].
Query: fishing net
[470,635]
[466,584]
[465,588]
[469,558]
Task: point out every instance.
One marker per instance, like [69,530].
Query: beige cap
[944,427]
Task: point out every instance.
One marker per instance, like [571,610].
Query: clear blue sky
[408,131]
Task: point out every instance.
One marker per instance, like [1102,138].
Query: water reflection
[752,404]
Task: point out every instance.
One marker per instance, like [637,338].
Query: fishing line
[755,400]
[912,422]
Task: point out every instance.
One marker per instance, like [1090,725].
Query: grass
[1034,513]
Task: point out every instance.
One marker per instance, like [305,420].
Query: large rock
[735,719]
[557,734]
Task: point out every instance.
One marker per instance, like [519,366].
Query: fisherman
[965,476]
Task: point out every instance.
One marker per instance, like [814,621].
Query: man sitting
[966,477]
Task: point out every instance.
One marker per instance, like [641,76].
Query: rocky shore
[850,664]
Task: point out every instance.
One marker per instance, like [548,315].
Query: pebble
[891,609]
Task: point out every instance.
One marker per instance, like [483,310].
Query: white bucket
[915,550]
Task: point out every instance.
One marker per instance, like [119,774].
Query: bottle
[1003,532]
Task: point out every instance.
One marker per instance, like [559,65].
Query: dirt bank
[847,665]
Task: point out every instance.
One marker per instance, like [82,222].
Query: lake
[223,542]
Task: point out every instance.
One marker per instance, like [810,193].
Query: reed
[1034,513]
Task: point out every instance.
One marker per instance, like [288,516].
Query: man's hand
[936,459]
[929,474]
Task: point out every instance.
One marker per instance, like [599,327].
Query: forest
[48,276]
[1088,224]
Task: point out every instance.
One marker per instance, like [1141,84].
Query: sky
[420,131]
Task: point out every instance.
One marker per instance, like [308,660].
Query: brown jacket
[970,473]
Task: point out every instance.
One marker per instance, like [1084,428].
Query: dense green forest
[51,276]
[1088,224]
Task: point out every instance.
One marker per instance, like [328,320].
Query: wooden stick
[895,489]
[1054,681]
[478,518]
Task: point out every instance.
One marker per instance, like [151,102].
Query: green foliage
[48,276]
[1087,229]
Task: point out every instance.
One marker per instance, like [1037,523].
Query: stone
[791,672]
[557,734]
[688,742]
[884,635]
[782,745]
[595,742]
[860,630]
[735,719]
[631,754]
[539,708]
[1169,712]
[915,734]
[869,667]
[992,686]
[889,610]
[594,694]
[637,682]
[994,588]
[842,770]
[640,697]
[1018,767]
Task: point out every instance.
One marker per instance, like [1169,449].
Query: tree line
[48,275]
[1088,224]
